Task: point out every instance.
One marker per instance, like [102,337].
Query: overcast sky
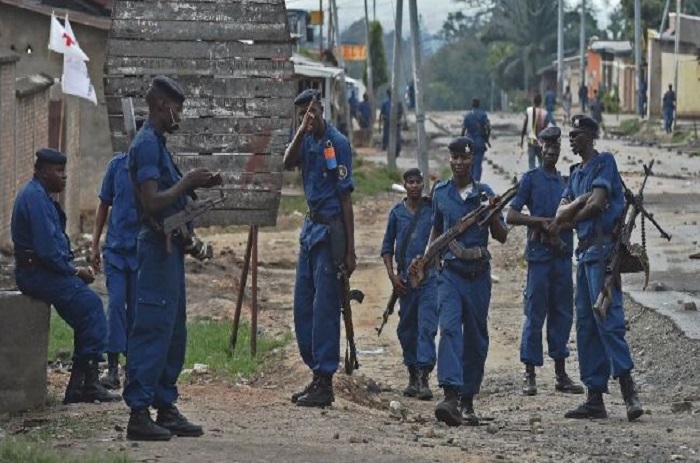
[434,12]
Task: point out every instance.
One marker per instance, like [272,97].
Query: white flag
[75,79]
[63,41]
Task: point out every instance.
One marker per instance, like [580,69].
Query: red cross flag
[63,41]
[75,79]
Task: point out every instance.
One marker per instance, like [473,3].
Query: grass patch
[289,204]
[207,343]
[680,137]
[372,179]
[630,126]
[20,450]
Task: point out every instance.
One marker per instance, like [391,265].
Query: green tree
[380,75]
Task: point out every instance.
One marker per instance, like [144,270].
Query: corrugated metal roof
[98,22]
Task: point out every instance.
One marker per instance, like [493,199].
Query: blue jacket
[397,226]
[476,122]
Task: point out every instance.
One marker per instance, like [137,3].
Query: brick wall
[7,141]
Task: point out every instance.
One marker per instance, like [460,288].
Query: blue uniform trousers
[602,349]
[476,164]
[418,321]
[668,119]
[121,288]
[158,338]
[75,303]
[385,138]
[534,156]
[464,338]
[317,309]
[549,294]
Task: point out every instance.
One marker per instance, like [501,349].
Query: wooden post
[241,291]
[254,294]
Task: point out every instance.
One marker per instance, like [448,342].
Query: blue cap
[50,156]
[412,172]
[461,145]
[306,97]
[583,123]
[550,135]
[170,87]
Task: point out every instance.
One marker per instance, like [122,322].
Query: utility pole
[638,54]
[394,133]
[676,50]
[422,153]
[374,13]
[320,34]
[582,44]
[663,18]
[341,63]
[560,49]
[370,76]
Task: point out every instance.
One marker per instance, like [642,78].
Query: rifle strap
[401,257]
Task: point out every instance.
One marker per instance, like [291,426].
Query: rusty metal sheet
[233,59]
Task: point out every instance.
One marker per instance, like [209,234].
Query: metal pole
[422,152]
[560,49]
[663,18]
[676,51]
[370,77]
[396,70]
[638,54]
[341,63]
[582,44]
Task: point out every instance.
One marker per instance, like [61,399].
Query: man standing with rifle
[407,233]
[464,282]
[327,247]
[594,203]
[550,290]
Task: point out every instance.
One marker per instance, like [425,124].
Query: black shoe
[592,408]
[110,380]
[320,394]
[93,390]
[171,419]
[74,390]
[563,382]
[466,406]
[142,427]
[529,381]
[424,392]
[629,393]
[413,382]
[448,410]
[306,389]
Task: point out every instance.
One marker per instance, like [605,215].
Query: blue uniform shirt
[123,228]
[449,208]
[600,172]
[541,192]
[39,225]
[385,111]
[397,226]
[365,112]
[149,159]
[475,121]
[323,186]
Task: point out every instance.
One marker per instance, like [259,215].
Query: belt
[462,253]
[583,245]
[317,217]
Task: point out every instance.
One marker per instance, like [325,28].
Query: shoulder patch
[342,172]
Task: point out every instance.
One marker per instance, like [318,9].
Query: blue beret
[460,145]
[583,123]
[550,135]
[170,87]
[306,97]
[412,172]
[50,156]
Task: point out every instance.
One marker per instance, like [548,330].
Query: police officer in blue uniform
[407,233]
[326,243]
[476,126]
[594,202]
[157,341]
[385,120]
[550,291]
[464,287]
[120,261]
[45,270]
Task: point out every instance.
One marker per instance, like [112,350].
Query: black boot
[74,390]
[320,393]
[466,406]
[171,419]
[529,382]
[306,389]
[424,392]
[111,379]
[448,411]
[93,390]
[592,408]
[142,427]
[563,382]
[413,382]
[629,393]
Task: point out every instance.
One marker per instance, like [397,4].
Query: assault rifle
[491,208]
[626,257]
[346,296]
[176,224]
[388,311]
